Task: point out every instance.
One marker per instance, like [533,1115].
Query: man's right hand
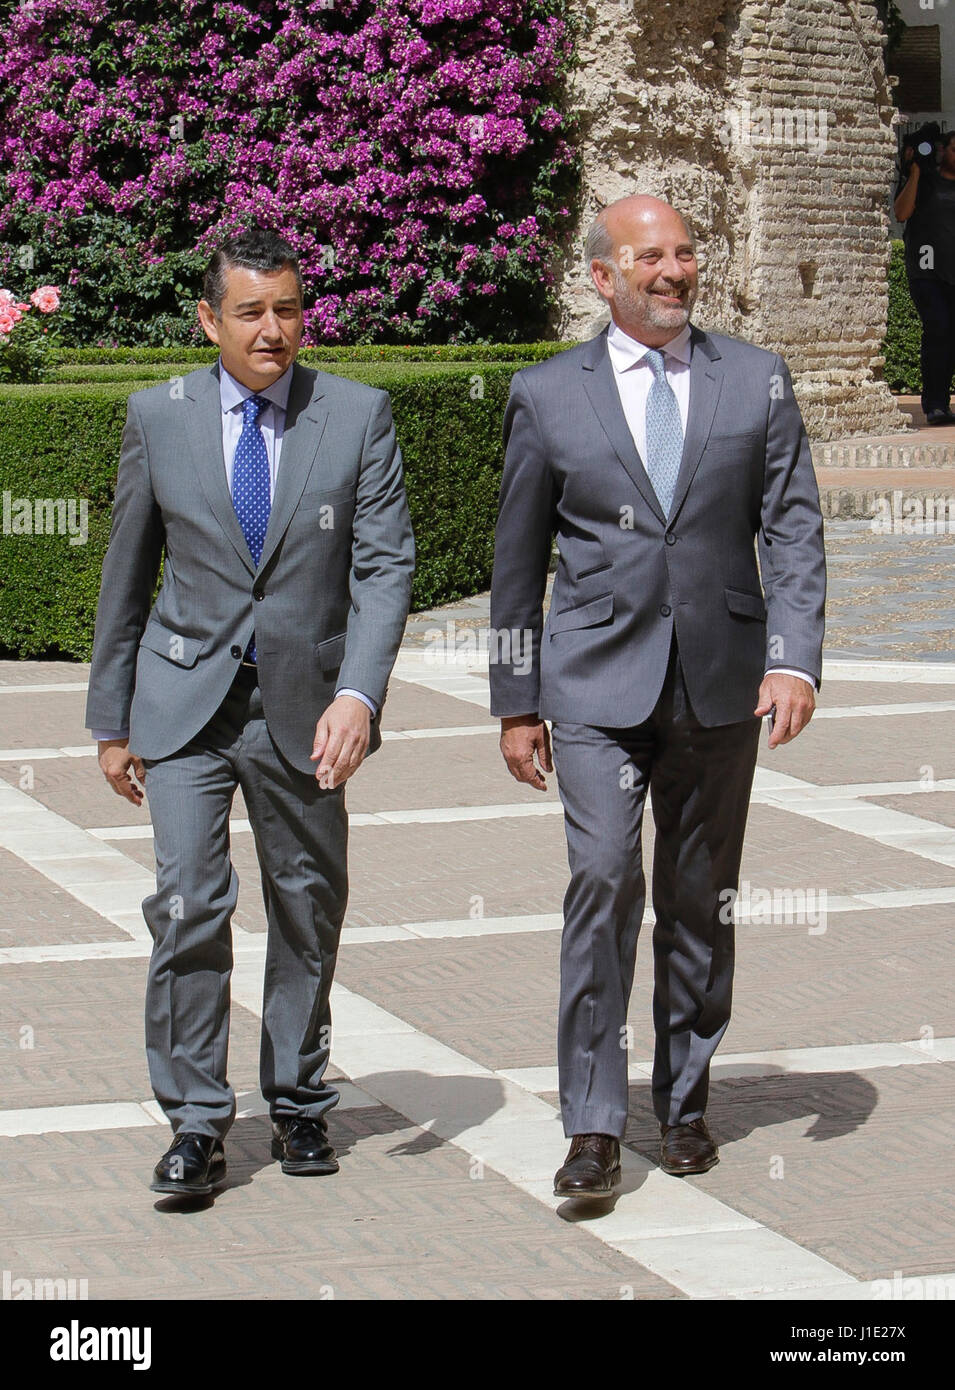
[115,759]
[522,737]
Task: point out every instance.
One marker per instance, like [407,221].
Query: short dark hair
[256,249]
[947,137]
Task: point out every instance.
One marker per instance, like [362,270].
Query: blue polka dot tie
[250,484]
[664,433]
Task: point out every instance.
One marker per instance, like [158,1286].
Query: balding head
[642,259]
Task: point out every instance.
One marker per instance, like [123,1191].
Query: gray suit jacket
[328,602]
[627,576]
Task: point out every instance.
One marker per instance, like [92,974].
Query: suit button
[670,538]
[258,595]
[665,610]
[236,652]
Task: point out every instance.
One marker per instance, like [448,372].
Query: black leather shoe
[687,1148]
[591,1168]
[303,1147]
[193,1165]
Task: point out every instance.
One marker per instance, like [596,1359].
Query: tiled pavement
[831,1096]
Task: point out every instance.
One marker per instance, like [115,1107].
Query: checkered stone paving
[830,1095]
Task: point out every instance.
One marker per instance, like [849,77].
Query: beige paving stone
[871,977]
[851,1165]
[840,694]
[792,851]
[933,806]
[883,748]
[36,912]
[403,1218]
[87,1034]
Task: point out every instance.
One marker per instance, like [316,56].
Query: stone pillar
[768,123]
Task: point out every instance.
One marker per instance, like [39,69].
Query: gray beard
[642,308]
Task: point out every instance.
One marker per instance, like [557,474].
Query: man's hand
[115,759]
[342,736]
[523,736]
[795,701]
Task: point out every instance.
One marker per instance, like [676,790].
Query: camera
[924,141]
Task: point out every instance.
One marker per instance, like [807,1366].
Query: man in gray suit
[274,497]
[660,455]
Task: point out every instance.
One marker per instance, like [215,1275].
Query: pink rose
[6,297]
[46,299]
[6,320]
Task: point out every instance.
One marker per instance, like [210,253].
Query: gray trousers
[699,781]
[301,835]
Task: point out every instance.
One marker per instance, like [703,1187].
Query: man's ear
[603,282]
[210,324]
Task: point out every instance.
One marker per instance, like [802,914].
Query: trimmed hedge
[475,352]
[62,442]
[903,338]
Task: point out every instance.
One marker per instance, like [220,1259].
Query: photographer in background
[925,202]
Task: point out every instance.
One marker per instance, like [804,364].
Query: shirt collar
[627,352]
[232,392]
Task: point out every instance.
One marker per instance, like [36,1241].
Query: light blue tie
[250,483]
[664,433]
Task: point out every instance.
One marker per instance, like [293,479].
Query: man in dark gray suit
[661,456]
[274,497]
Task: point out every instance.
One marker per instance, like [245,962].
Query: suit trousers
[699,780]
[301,835]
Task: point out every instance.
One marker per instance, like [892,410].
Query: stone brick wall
[768,124]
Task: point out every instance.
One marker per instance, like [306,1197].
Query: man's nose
[271,328]
[675,271]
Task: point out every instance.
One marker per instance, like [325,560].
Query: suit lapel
[205,438]
[305,421]
[601,388]
[706,383]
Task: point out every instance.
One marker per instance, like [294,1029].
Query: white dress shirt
[271,421]
[633,376]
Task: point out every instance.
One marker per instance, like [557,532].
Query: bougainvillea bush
[413,151]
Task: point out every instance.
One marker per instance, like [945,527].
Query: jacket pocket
[343,497]
[598,610]
[331,652]
[747,605]
[181,651]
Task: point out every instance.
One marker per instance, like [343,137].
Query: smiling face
[651,279]
[259,324]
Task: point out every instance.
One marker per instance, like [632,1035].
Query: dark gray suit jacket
[627,576]
[328,601]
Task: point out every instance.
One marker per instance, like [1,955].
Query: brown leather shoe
[687,1148]
[591,1168]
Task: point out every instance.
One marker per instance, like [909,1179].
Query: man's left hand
[795,701]
[342,736]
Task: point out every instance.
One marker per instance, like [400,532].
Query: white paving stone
[63,1119]
[732,1263]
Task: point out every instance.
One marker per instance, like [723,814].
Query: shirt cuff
[791,671]
[102,734]
[346,690]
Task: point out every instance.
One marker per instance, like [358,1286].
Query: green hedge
[475,352]
[62,441]
[135,374]
[903,372]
